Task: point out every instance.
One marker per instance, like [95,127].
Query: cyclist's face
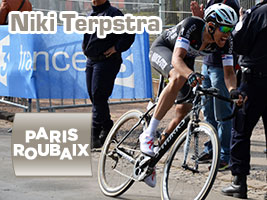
[221,37]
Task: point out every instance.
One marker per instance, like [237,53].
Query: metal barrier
[25,104]
[52,107]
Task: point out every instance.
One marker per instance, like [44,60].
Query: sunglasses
[226,29]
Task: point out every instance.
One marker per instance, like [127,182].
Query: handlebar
[214,92]
[203,91]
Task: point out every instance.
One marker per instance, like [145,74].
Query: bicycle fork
[191,126]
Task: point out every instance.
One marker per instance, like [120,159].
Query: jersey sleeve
[188,32]
[182,43]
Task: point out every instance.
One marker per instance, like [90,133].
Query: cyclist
[173,54]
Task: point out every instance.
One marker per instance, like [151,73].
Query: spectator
[103,64]
[215,110]
[249,41]
[13,5]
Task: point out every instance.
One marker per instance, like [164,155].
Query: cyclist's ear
[211,27]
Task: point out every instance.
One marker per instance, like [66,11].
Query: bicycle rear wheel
[183,184]
[116,163]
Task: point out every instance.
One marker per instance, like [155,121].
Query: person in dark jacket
[13,5]
[103,64]
[250,41]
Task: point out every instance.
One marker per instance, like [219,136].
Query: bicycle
[121,162]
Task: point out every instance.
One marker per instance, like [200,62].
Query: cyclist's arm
[180,50]
[178,62]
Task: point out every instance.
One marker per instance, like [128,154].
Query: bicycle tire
[178,183]
[114,182]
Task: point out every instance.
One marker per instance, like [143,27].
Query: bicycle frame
[173,136]
[192,116]
[164,147]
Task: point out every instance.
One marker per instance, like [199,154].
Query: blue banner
[53,66]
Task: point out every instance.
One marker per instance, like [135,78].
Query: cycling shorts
[160,56]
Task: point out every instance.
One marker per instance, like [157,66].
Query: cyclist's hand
[195,78]
[240,97]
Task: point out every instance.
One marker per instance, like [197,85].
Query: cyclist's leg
[166,100]
[160,58]
[222,110]
[169,94]
[208,108]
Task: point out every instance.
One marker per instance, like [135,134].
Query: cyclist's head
[221,15]
[220,20]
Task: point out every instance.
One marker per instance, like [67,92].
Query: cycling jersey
[188,34]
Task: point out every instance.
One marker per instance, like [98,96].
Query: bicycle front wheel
[116,162]
[193,180]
